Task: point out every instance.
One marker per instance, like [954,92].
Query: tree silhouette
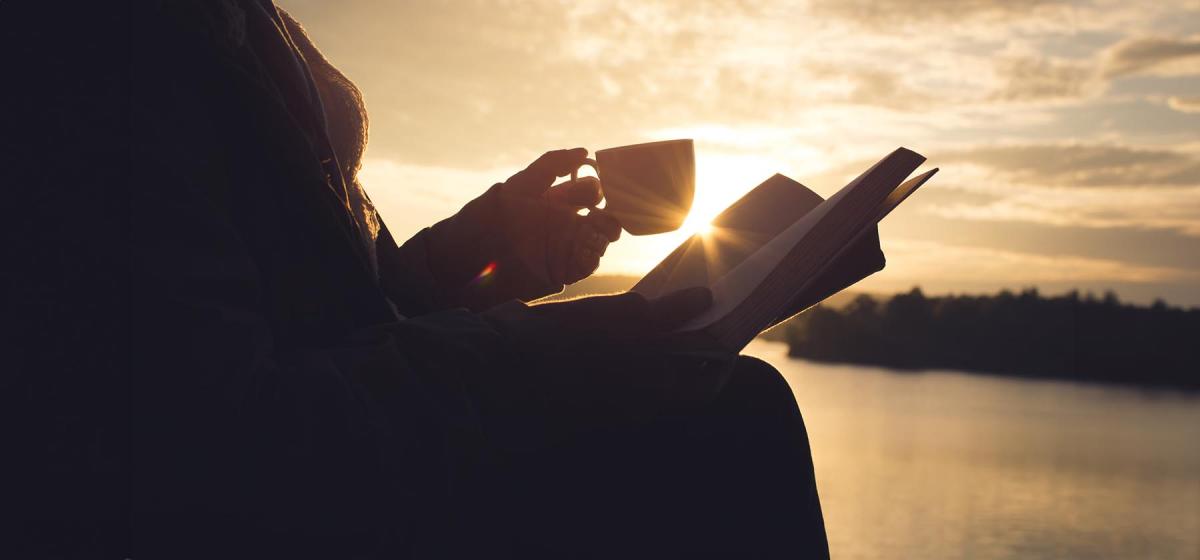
[1025,334]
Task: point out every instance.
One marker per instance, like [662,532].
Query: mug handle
[595,166]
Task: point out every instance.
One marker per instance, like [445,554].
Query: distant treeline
[1066,337]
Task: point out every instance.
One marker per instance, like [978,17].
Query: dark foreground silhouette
[1025,334]
[216,349]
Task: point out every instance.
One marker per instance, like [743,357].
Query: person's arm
[436,267]
[521,240]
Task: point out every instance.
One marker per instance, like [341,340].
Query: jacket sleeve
[461,261]
[406,275]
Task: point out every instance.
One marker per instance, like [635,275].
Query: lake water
[949,465]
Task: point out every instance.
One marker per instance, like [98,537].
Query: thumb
[612,311]
[676,308]
[535,179]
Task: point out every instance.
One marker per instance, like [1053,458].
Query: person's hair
[224,23]
[345,113]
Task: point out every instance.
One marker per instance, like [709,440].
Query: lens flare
[485,274]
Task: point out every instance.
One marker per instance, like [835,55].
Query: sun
[696,223]
[705,208]
[720,181]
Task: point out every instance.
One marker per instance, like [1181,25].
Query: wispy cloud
[1040,78]
[1176,209]
[1075,185]
[899,12]
[1084,164]
[1184,104]
[468,84]
[1154,55]
[912,262]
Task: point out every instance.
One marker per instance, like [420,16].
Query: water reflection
[948,465]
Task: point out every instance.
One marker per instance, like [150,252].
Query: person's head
[345,113]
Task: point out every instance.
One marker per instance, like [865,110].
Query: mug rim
[644,145]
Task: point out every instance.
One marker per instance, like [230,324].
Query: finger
[676,308]
[558,261]
[584,262]
[559,162]
[562,229]
[591,239]
[581,193]
[535,179]
[605,223]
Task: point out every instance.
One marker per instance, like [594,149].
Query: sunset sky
[1068,133]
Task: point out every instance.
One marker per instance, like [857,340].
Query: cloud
[1184,104]
[472,86]
[1038,78]
[865,85]
[1174,210]
[410,197]
[1034,76]
[1005,20]
[1153,55]
[1094,186]
[1084,165]
[890,12]
[914,262]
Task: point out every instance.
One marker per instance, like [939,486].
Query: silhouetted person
[220,351]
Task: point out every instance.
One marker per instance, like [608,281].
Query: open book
[781,249]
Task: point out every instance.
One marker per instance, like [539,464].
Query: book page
[735,234]
[732,289]
[862,258]
[749,297]
[900,193]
